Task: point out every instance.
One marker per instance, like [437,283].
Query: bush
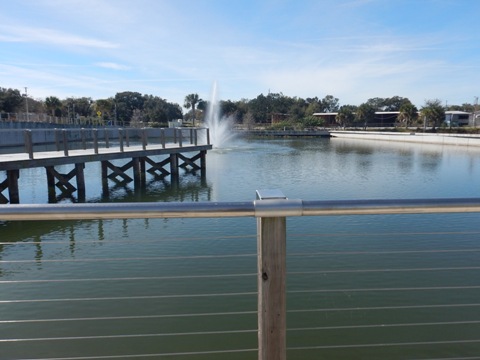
[312,121]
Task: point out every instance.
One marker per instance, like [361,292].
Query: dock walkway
[176,154]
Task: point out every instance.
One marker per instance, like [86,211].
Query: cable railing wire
[295,208]
[152,355]
[132,317]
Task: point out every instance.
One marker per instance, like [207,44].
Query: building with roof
[458,118]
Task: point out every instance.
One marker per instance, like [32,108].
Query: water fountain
[220,126]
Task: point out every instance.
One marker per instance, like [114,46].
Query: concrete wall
[426,138]
[16,137]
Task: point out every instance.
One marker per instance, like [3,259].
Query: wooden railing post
[84,138]
[127,137]
[29,143]
[271,277]
[107,138]
[57,139]
[120,139]
[65,142]
[95,140]
[144,138]
[162,137]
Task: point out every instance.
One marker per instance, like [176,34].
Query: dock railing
[65,139]
[271,209]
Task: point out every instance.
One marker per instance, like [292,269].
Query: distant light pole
[475,112]
[26,101]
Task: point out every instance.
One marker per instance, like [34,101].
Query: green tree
[345,116]
[191,101]
[395,103]
[10,100]
[297,109]
[314,105]
[312,122]
[159,111]
[127,102]
[433,113]
[233,110]
[408,114]
[259,108]
[52,104]
[377,103]
[106,107]
[387,104]
[330,104]
[365,114]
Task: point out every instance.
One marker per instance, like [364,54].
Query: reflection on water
[130,277]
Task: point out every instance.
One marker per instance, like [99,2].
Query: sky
[352,49]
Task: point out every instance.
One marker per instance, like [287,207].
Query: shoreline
[413,137]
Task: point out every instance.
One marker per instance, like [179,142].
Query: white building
[458,118]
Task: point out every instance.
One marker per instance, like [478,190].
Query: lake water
[358,287]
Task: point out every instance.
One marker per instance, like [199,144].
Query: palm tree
[433,113]
[345,116]
[190,101]
[52,103]
[408,113]
[365,114]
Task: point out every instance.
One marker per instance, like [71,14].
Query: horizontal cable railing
[262,208]
[390,300]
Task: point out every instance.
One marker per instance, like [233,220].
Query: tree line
[133,108]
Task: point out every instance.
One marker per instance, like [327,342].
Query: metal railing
[271,210]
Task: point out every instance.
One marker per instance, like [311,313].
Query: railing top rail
[257,208]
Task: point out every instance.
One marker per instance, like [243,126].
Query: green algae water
[358,287]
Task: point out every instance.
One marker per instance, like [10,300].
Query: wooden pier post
[50,184]
[12,181]
[80,181]
[203,164]
[271,252]
[105,178]
[139,176]
[174,167]
[143,175]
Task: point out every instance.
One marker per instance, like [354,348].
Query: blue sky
[352,49]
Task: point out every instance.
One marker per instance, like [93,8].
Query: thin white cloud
[41,35]
[112,65]
[8,38]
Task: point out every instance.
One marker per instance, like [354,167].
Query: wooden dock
[176,154]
